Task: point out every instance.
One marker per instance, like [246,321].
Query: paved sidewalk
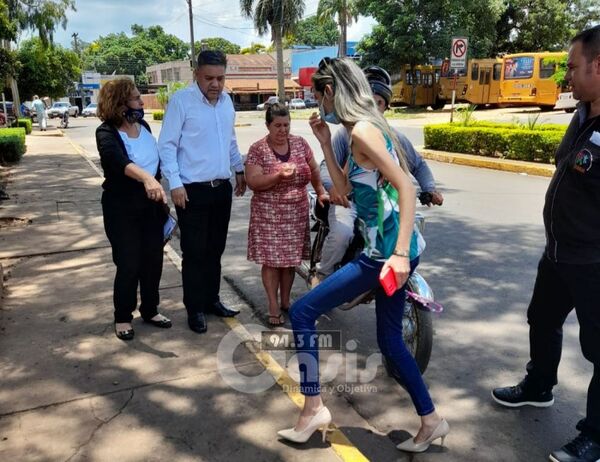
[70,390]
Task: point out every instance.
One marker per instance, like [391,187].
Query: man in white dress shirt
[198,153]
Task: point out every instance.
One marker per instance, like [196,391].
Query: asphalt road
[482,250]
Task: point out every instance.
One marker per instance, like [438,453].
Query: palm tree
[343,12]
[281,17]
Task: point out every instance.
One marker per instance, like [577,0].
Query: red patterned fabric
[279,235]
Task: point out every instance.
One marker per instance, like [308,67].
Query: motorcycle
[64,120]
[417,326]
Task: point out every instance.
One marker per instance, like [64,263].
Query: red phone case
[388,282]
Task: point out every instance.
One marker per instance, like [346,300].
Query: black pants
[560,287]
[203,225]
[134,227]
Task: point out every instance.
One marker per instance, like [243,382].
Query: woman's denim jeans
[342,286]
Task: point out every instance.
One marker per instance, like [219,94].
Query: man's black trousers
[203,225]
[560,287]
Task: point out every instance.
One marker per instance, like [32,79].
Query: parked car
[272,100]
[311,102]
[297,103]
[10,112]
[89,110]
[58,109]
[566,101]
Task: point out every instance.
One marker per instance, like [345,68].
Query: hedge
[514,126]
[26,124]
[510,143]
[158,115]
[12,144]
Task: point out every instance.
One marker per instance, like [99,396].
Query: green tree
[46,71]
[420,31]
[218,43]
[121,54]
[8,32]
[344,12]
[43,16]
[281,18]
[313,32]
[254,49]
[533,25]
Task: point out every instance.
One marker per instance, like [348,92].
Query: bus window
[497,71]
[487,77]
[409,78]
[519,67]
[474,71]
[481,76]
[418,78]
[437,76]
[547,68]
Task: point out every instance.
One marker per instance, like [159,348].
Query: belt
[211,183]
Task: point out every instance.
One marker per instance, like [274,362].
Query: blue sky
[212,18]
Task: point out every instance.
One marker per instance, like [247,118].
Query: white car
[297,103]
[89,110]
[566,101]
[59,108]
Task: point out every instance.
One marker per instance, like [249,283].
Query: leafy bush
[512,143]
[26,124]
[12,144]
[158,115]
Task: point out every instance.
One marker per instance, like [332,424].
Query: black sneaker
[581,449]
[520,395]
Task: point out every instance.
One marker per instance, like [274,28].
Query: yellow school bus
[483,81]
[416,87]
[527,79]
[449,79]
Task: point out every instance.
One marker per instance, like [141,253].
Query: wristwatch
[239,173]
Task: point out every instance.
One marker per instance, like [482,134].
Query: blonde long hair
[352,97]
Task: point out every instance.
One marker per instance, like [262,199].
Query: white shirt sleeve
[168,142]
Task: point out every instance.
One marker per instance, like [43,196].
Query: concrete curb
[506,165]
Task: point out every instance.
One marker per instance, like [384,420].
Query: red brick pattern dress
[279,235]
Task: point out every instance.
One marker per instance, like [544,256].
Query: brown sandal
[276,320]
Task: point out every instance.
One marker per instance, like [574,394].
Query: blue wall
[305,56]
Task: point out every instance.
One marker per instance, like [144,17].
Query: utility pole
[75,36]
[192,47]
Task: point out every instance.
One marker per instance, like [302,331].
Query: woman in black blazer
[133,204]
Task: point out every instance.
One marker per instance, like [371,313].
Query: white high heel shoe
[320,420]
[440,432]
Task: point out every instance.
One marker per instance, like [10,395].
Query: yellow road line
[341,445]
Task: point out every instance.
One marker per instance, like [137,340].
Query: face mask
[134,115]
[331,118]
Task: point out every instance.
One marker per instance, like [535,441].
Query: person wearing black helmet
[341,212]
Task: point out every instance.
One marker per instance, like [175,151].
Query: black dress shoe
[127,334]
[164,323]
[197,322]
[221,310]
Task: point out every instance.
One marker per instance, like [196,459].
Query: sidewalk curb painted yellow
[340,444]
[506,165]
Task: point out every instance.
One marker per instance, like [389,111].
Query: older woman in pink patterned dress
[278,168]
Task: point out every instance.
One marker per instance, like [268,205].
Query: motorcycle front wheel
[417,332]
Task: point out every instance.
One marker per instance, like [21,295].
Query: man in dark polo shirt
[569,270]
